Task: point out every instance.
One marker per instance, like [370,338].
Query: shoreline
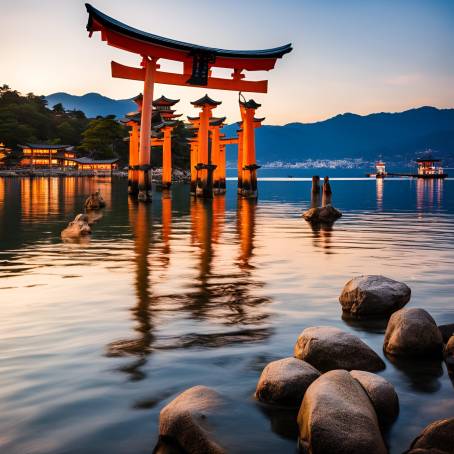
[178,175]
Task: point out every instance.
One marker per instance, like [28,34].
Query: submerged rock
[412,332]
[185,421]
[381,393]
[322,215]
[285,381]
[373,295]
[337,416]
[94,202]
[77,228]
[328,348]
[436,438]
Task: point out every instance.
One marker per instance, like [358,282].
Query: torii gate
[198,62]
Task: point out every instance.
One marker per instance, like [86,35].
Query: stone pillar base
[248,193]
[144,196]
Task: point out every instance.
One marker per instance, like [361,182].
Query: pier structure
[198,62]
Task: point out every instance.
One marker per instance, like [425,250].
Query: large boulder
[436,438]
[94,202]
[285,381]
[185,421]
[328,348]
[337,417]
[77,228]
[412,332]
[373,295]
[448,354]
[381,393]
[322,215]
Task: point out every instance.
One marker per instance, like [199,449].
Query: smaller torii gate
[213,162]
[198,62]
[162,124]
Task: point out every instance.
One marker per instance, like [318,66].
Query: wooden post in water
[240,159]
[315,193]
[327,193]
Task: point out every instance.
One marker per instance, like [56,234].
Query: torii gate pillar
[145,131]
[249,168]
[133,183]
[167,158]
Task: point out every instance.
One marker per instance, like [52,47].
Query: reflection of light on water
[429,194]
[246,226]
[439,192]
[45,196]
[2,194]
[379,191]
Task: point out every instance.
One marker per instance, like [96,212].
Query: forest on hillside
[28,119]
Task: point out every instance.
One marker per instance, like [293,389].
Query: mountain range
[395,137]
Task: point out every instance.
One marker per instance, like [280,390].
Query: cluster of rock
[80,227]
[343,405]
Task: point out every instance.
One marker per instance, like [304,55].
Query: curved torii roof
[131,39]
[205,101]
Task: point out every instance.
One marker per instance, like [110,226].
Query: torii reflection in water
[216,296]
[147,304]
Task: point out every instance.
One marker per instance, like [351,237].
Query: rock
[412,332]
[328,348]
[94,216]
[437,437]
[448,353]
[185,420]
[77,228]
[94,202]
[324,215]
[285,381]
[446,331]
[381,393]
[336,416]
[373,295]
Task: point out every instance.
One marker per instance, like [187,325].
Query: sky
[360,56]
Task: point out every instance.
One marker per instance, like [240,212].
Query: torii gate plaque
[197,63]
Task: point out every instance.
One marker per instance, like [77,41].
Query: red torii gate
[197,64]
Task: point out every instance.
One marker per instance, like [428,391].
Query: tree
[103,137]
[58,108]
[27,119]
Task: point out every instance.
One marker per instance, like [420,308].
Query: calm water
[96,338]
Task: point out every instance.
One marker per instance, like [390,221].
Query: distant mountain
[396,137]
[93,104]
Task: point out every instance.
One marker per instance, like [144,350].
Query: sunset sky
[349,56]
